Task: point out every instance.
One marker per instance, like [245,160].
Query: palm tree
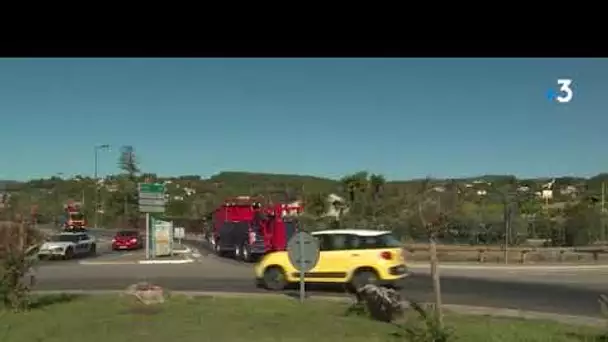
[376,182]
[354,184]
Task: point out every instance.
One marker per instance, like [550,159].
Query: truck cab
[245,230]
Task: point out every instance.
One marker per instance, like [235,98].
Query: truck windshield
[64,238]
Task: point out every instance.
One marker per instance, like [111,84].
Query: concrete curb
[459,309]
[510,267]
[182,251]
[160,262]
[137,262]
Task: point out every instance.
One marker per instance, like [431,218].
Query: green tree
[128,195]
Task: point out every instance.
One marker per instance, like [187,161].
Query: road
[210,274]
[554,291]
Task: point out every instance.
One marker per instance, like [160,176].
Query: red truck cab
[244,229]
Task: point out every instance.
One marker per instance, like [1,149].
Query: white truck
[67,246]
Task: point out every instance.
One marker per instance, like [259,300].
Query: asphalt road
[211,274]
[512,290]
[104,248]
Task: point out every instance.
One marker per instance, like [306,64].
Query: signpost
[303,253]
[179,233]
[151,200]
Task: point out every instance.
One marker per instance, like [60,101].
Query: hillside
[367,199]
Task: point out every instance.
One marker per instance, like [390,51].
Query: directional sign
[151,202]
[303,251]
[151,197]
[151,209]
[157,188]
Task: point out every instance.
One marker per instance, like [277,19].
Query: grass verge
[113,318]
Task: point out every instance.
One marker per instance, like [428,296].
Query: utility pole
[507,218]
[96,204]
[603,213]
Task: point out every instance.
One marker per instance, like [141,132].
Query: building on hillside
[569,190]
[336,206]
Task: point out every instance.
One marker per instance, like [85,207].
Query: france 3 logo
[564,93]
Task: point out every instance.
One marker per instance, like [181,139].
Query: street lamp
[104,147]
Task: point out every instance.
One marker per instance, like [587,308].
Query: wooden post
[436,282]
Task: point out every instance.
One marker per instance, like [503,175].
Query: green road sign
[151,197]
[155,188]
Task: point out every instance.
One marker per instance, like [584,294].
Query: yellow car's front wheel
[274,278]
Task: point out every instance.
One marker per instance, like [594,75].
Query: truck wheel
[238,252]
[246,253]
[69,254]
[217,249]
[274,278]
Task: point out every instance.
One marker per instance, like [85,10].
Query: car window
[332,242]
[324,242]
[372,242]
[127,233]
[64,238]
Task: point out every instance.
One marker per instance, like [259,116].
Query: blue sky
[404,118]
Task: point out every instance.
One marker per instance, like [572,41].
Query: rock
[147,293]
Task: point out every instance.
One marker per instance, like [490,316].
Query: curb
[511,268]
[160,262]
[107,262]
[137,262]
[182,251]
[459,309]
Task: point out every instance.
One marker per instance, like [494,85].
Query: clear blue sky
[403,118]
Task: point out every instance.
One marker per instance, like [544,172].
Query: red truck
[73,216]
[246,230]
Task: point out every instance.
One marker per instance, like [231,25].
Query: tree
[128,163]
[432,218]
[377,183]
[355,183]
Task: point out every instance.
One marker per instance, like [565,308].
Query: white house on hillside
[336,206]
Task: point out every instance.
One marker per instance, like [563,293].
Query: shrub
[17,257]
[430,330]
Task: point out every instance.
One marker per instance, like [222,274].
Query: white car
[68,246]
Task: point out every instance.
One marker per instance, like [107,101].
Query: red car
[127,240]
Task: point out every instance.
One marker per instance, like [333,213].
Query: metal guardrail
[522,252]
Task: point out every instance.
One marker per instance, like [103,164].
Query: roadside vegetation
[485,210]
[18,241]
[179,318]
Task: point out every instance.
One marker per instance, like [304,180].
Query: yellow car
[347,256]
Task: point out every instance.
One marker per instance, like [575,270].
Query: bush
[430,330]
[18,243]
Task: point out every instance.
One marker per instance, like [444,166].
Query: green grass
[115,319]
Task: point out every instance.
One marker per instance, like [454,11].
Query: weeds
[430,331]
[16,262]
[385,305]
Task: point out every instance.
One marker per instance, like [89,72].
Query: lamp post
[98,148]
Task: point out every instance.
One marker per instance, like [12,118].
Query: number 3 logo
[566,92]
